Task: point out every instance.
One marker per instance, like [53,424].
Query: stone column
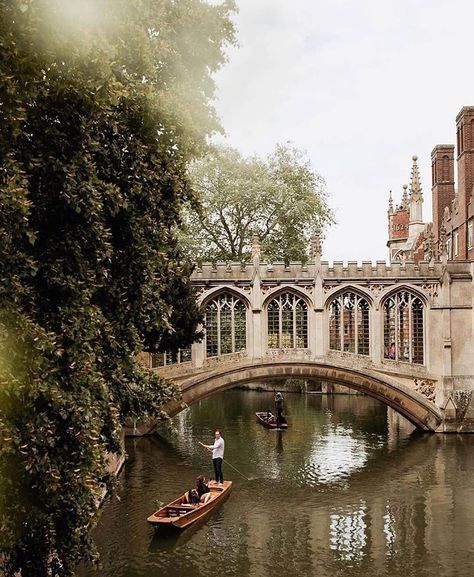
[318,325]
[445,298]
[256,327]
[198,352]
[376,334]
[256,339]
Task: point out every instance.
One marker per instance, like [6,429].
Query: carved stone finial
[443,245]
[430,247]
[404,202]
[415,185]
[390,203]
[316,248]
[256,248]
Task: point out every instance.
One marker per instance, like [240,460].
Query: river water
[348,490]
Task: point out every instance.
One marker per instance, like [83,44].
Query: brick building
[451,229]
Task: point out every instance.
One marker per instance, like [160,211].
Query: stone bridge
[399,332]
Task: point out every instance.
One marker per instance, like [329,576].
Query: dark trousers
[218,469]
[279,415]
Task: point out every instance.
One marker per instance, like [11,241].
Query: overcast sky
[361,85]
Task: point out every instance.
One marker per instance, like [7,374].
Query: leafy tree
[102,105]
[279,197]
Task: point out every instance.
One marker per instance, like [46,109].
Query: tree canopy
[102,106]
[279,197]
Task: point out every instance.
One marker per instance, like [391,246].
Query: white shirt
[218,448]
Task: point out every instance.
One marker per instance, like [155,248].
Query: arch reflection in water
[348,532]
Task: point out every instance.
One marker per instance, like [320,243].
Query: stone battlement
[335,270]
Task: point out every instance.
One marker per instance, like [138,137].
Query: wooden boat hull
[261,419]
[179,515]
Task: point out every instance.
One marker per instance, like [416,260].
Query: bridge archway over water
[408,402]
[400,332]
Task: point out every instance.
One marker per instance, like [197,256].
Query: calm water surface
[348,490]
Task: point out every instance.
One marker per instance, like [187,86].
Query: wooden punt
[261,418]
[179,514]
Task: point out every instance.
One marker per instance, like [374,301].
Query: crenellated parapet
[209,272]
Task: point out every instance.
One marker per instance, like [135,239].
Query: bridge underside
[411,404]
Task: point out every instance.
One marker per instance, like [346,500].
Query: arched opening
[409,403]
[349,323]
[225,321]
[287,322]
[403,314]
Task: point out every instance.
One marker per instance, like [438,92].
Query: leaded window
[171,357]
[349,324]
[404,328]
[287,318]
[226,325]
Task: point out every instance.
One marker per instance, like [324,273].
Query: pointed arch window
[287,316]
[404,328]
[349,324]
[226,325]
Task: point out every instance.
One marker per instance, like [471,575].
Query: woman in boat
[202,489]
[269,417]
[192,497]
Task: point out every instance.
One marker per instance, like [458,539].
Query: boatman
[217,456]
[279,407]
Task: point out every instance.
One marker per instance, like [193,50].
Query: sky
[361,86]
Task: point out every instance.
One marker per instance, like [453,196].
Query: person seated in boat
[269,417]
[202,489]
[192,497]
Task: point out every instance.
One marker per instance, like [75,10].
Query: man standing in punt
[279,408]
[217,456]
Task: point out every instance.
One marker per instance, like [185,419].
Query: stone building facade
[451,230]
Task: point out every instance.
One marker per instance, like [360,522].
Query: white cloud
[362,86]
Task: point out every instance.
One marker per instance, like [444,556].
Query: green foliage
[102,106]
[279,197]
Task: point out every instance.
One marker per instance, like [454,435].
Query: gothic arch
[287,322]
[208,295]
[347,313]
[404,325]
[358,290]
[403,287]
[290,289]
[226,320]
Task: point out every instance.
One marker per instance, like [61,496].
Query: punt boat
[272,424]
[179,514]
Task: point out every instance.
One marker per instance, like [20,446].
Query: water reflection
[348,532]
[334,456]
[347,490]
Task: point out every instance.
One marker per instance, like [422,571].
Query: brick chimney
[465,141]
[442,170]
